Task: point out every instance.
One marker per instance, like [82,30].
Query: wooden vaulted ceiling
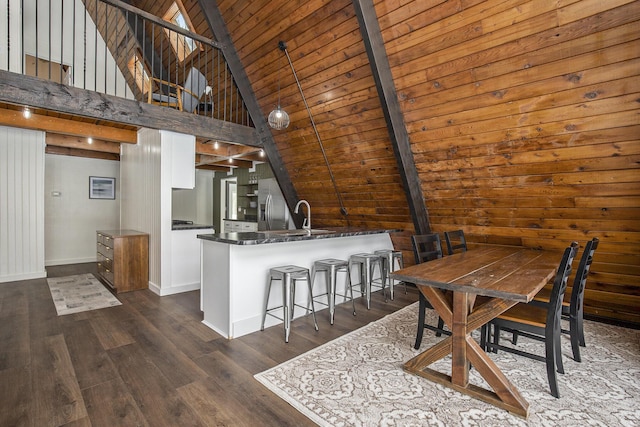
[520,118]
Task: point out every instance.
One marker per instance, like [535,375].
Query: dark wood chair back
[536,322]
[426,247]
[455,240]
[554,310]
[580,281]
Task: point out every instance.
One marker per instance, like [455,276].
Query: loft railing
[111,47]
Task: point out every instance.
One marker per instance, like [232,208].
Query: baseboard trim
[24,276]
[158,290]
[53,262]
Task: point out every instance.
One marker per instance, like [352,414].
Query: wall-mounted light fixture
[26,112]
[89,140]
[278,118]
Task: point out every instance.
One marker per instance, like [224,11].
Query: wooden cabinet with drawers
[123,259]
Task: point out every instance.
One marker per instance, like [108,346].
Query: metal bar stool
[389,257]
[366,263]
[287,274]
[331,267]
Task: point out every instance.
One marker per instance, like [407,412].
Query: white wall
[59,34]
[140,189]
[21,204]
[72,218]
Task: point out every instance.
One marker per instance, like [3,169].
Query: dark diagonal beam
[221,34]
[370,30]
[152,58]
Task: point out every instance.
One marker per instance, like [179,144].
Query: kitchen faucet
[307,221]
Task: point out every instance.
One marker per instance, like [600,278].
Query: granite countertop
[279,236]
[190,226]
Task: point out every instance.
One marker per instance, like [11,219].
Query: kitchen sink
[296,232]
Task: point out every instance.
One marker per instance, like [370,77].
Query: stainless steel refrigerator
[273,213]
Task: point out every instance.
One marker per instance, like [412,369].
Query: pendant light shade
[278,118]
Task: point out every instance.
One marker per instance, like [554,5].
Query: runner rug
[82,292]
[358,380]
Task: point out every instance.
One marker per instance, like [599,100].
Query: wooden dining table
[500,276]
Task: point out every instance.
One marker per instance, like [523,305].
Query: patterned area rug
[358,380]
[83,292]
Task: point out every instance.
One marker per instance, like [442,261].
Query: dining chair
[538,323]
[184,97]
[573,304]
[455,240]
[426,247]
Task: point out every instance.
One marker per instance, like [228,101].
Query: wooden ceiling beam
[202,159]
[213,168]
[225,149]
[81,143]
[39,93]
[66,151]
[255,157]
[374,45]
[15,118]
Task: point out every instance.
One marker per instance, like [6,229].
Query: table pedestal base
[465,351]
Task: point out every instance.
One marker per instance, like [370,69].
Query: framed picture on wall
[102,188]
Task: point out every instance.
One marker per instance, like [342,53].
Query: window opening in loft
[182,45]
[139,73]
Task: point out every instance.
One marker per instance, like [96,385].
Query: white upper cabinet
[182,150]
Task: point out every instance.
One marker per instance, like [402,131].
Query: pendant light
[278,118]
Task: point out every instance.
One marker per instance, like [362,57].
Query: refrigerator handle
[268,211]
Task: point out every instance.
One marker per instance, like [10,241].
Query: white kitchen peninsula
[235,266]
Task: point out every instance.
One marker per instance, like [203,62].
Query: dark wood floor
[148,362]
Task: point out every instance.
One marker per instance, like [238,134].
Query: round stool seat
[293,271]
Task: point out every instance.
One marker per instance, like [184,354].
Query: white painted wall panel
[140,189]
[21,204]
[71,217]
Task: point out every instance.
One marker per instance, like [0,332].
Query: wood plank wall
[326,48]
[523,118]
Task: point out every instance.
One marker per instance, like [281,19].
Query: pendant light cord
[279,67]
[283,46]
